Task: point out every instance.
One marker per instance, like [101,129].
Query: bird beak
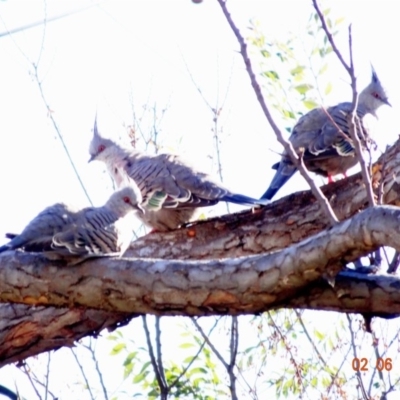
[92,158]
[139,208]
[386,101]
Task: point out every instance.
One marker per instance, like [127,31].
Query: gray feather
[323,136]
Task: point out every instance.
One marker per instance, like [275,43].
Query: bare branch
[156,368]
[233,349]
[83,373]
[330,37]
[289,350]
[97,367]
[297,161]
[179,377]
[159,354]
[355,356]
[352,118]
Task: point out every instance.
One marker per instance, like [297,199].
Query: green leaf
[118,348]
[140,377]
[298,70]
[339,20]
[197,370]
[319,335]
[328,88]
[129,358]
[288,114]
[271,74]
[186,345]
[323,69]
[144,367]
[304,88]
[128,370]
[310,104]
[265,53]
[326,11]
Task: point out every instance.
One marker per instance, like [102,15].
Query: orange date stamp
[361,364]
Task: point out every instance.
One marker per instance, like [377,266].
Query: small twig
[179,377]
[353,118]
[28,374]
[365,171]
[83,374]
[337,372]
[46,386]
[228,367]
[296,160]
[234,343]
[159,374]
[47,20]
[378,356]
[39,83]
[96,365]
[354,347]
[330,37]
[216,111]
[289,350]
[212,347]
[298,314]
[44,32]
[158,349]
[383,175]
[57,129]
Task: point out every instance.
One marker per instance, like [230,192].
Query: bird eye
[126,199]
[376,95]
[101,148]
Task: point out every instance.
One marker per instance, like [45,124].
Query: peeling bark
[232,286]
[26,331]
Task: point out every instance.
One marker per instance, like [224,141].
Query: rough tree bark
[121,289]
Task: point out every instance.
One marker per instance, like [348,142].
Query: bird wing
[166,181]
[93,234]
[38,234]
[322,136]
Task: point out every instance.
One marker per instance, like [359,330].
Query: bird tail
[4,248]
[244,200]
[284,172]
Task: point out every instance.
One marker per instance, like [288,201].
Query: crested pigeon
[99,231]
[62,232]
[38,234]
[326,150]
[172,190]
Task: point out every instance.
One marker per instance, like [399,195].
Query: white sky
[97,58]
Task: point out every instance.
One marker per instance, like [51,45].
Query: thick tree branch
[248,284]
[284,222]
[26,330]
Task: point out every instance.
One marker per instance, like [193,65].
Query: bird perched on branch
[61,232]
[172,190]
[38,234]
[100,231]
[323,137]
